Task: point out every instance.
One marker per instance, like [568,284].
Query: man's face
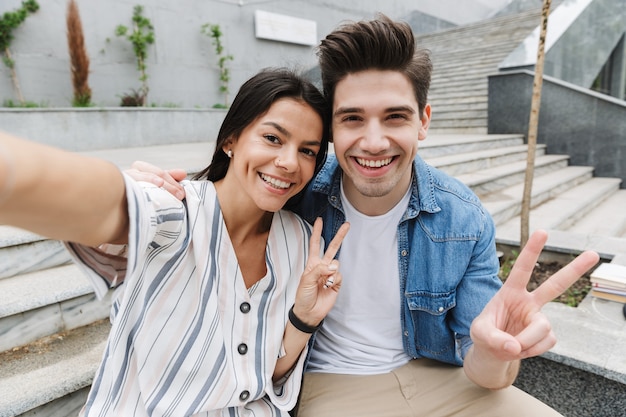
[376,128]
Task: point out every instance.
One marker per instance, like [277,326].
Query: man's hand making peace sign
[512,327]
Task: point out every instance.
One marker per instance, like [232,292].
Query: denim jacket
[446,256]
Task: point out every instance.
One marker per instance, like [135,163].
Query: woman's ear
[228,147]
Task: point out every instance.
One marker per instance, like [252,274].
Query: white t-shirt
[362,334]
[188,338]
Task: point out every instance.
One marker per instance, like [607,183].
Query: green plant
[166,105]
[215,32]
[22,104]
[140,37]
[507,264]
[542,271]
[8,22]
[78,57]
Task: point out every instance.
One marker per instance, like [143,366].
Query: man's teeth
[274,182]
[373,164]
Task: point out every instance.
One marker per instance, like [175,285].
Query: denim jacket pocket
[436,304]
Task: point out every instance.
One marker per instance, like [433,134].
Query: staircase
[53,330]
[463,58]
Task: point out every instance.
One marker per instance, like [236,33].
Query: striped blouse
[187,337]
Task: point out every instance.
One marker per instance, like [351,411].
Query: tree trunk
[533,127]
[16,82]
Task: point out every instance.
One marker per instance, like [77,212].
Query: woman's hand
[168,180]
[316,295]
[321,280]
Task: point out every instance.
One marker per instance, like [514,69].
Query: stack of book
[608,281]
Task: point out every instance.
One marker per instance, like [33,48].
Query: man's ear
[425,122]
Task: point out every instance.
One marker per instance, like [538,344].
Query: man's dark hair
[378,44]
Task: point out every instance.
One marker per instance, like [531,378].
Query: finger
[526,261]
[541,347]
[177,174]
[500,342]
[335,244]
[333,277]
[172,176]
[145,177]
[147,167]
[315,240]
[329,281]
[558,283]
[159,177]
[175,189]
[537,329]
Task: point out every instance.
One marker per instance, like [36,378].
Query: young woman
[216,295]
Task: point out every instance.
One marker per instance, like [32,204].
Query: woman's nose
[288,160]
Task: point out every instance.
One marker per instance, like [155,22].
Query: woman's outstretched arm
[61,195]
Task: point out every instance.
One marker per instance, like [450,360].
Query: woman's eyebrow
[288,134]
[278,127]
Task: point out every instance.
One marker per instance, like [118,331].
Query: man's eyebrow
[346,110]
[407,109]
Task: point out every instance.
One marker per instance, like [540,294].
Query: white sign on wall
[284,28]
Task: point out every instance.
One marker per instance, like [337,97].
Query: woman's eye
[309,152]
[272,138]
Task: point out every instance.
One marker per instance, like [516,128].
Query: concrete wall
[587,126]
[181,64]
[88,129]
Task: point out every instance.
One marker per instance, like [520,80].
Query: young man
[419,262]
[422,325]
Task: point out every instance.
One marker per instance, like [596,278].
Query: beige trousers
[421,388]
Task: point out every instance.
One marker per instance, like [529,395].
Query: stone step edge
[495,173]
[561,211]
[506,203]
[57,367]
[599,348]
[33,290]
[490,153]
[570,242]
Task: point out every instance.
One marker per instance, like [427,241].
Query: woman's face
[274,158]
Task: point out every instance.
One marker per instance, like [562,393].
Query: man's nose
[374,138]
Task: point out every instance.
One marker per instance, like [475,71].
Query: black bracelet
[300,325]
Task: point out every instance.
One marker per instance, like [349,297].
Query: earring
[229,153]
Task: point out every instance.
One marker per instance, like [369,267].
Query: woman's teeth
[274,182]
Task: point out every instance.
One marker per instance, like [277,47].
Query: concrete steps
[37,304]
[463,57]
[51,377]
[24,252]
